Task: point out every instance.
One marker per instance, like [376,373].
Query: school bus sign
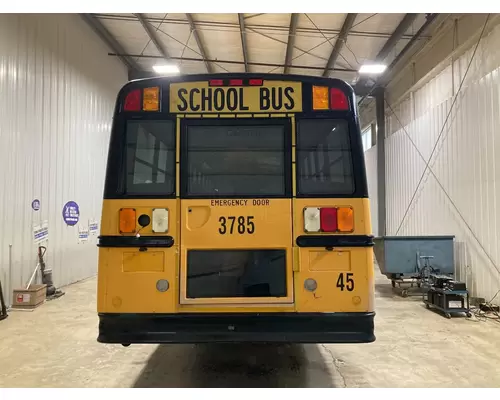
[270,97]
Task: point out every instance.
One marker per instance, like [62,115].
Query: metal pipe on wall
[381,203]
[9,293]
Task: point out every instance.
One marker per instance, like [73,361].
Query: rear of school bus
[235,210]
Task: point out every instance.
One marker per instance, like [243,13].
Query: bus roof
[348,90]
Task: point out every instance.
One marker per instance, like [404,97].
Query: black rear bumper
[211,328]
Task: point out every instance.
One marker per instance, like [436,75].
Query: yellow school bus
[235,210]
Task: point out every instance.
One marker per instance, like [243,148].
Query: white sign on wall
[93,227]
[83,234]
[41,232]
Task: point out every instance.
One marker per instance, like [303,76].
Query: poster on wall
[93,227]
[83,234]
[41,232]
[71,213]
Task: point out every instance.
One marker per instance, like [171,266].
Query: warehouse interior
[429,124]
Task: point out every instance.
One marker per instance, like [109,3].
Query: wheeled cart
[448,301]
[408,286]
[409,260]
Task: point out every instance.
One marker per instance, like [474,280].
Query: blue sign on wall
[35,204]
[71,213]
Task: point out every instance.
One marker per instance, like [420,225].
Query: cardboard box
[29,298]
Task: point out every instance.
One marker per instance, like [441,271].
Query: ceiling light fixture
[166,69]
[372,69]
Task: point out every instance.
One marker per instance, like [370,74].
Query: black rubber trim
[133,241]
[227,327]
[335,241]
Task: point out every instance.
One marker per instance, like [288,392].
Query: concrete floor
[55,346]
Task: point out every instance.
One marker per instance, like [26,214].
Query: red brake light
[255,82]
[236,82]
[133,101]
[216,82]
[338,100]
[328,219]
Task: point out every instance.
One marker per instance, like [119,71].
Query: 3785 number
[239,225]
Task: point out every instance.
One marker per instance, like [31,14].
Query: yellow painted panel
[120,289]
[272,97]
[143,261]
[350,290]
[325,267]
[236,223]
[324,260]
[135,292]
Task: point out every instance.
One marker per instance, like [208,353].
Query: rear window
[236,160]
[150,155]
[236,273]
[324,162]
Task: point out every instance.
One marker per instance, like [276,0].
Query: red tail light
[338,100]
[236,82]
[216,82]
[133,101]
[255,82]
[328,219]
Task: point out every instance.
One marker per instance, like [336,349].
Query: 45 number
[243,225]
[346,281]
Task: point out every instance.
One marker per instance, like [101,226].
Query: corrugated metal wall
[465,162]
[57,93]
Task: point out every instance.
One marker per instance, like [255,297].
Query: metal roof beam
[291,41]
[396,36]
[382,81]
[339,43]
[215,24]
[241,19]
[150,30]
[110,41]
[236,62]
[389,45]
[203,52]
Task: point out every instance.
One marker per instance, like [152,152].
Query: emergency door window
[236,160]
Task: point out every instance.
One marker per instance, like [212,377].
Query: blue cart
[411,259]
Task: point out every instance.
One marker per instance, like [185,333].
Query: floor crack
[336,364]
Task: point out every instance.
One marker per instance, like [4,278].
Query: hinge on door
[296,261]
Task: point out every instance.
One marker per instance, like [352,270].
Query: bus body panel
[121,272]
[128,275]
[343,274]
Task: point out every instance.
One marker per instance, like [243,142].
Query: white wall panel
[57,93]
[465,162]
